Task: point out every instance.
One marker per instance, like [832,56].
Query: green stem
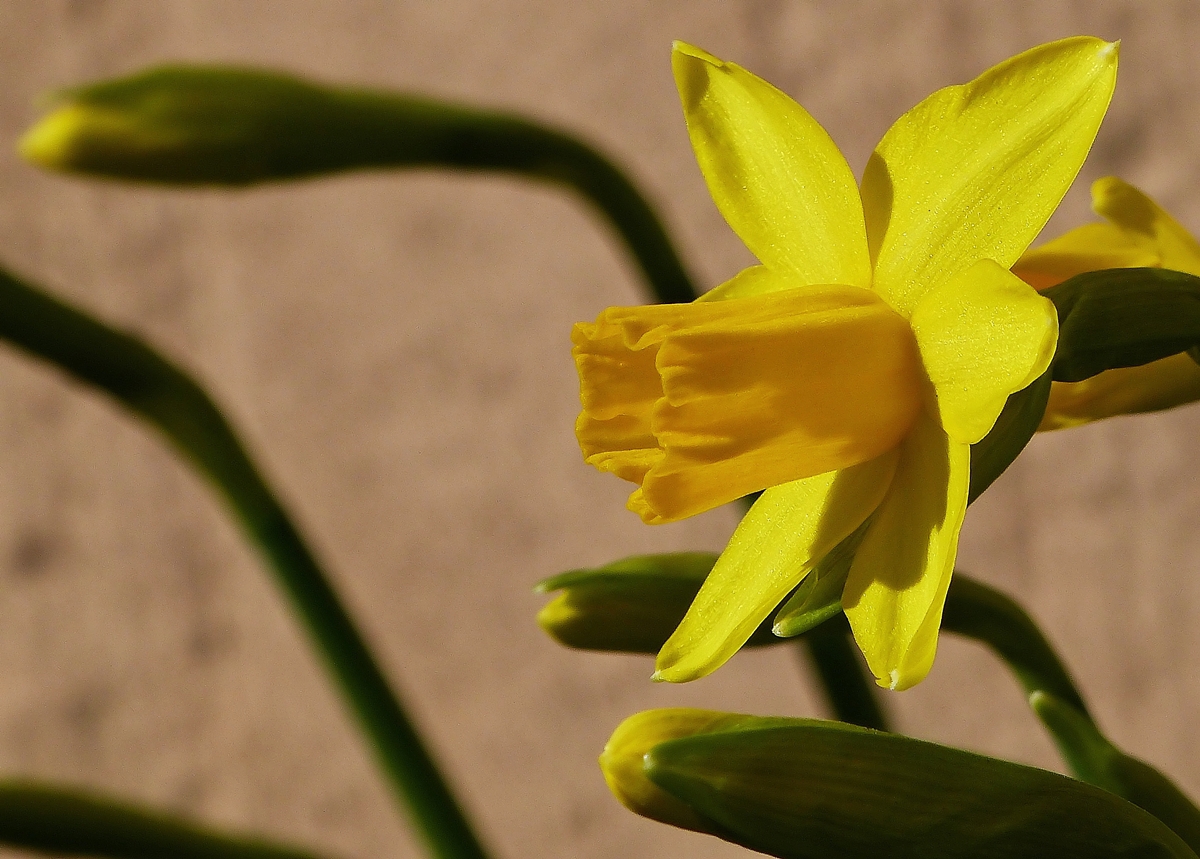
[831,654]
[977,611]
[227,126]
[57,821]
[386,130]
[168,399]
[985,614]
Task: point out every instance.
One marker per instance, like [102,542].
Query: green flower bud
[197,125]
[632,605]
[231,126]
[623,762]
[807,789]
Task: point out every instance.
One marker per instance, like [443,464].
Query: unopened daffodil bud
[623,761]
[632,605]
[234,126]
[808,789]
[184,124]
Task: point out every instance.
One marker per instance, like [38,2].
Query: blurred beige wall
[395,349]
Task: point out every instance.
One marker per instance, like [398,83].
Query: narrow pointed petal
[773,172]
[1088,248]
[1129,209]
[897,584]
[756,280]
[983,335]
[1153,387]
[973,172]
[786,533]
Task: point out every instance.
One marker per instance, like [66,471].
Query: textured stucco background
[394,347]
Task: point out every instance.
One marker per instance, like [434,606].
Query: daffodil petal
[897,584]
[786,533]
[983,335]
[773,172]
[756,280]
[1129,209]
[973,172]
[1162,384]
[1088,248]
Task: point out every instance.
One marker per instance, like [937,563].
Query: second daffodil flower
[849,373]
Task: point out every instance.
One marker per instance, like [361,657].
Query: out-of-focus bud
[632,605]
[192,125]
[231,126]
[806,789]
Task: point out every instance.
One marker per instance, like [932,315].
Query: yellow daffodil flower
[1137,233]
[848,374]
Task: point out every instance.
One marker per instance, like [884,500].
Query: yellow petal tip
[893,679]
[687,50]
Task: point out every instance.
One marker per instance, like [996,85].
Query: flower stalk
[164,396]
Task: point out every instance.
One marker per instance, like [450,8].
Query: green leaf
[1123,317]
[825,790]
[215,125]
[72,822]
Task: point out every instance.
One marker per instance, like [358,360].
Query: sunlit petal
[983,335]
[1087,248]
[787,532]
[973,172]
[897,583]
[1162,384]
[756,280]
[773,172]
[1129,209]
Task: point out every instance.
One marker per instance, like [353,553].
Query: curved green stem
[387,130]
[832,654]
[61,821]
[164,396]
[228,126]
[983,613]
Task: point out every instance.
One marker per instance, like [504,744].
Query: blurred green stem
[219,125]
[128,370]
[832,654]
[983,613]
[977,611]
[399,131]
[70,822]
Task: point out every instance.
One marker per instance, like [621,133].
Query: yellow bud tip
[48,142]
